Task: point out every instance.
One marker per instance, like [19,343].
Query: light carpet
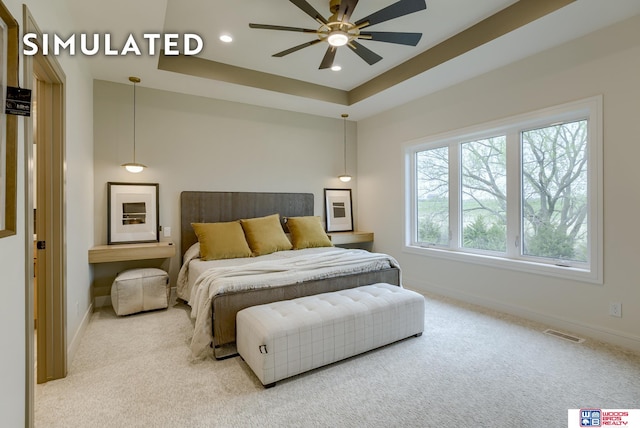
[471,368]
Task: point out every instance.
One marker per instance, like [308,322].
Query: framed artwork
[133,213]
[337,203]
[8,123]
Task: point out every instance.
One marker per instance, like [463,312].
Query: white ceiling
[252,48]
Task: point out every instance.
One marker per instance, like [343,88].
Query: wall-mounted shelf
[125,252]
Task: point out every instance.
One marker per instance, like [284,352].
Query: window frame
[511,127]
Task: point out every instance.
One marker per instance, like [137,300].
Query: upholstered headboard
[211,207]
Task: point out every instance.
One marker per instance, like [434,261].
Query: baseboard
[75,342]
[603,334]
[102,301]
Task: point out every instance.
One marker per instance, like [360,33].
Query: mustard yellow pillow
[307,232]
[265,235]
[221,240]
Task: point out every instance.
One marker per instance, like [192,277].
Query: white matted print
[338,212]
[133,213]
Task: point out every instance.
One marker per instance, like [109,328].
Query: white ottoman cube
[138,290]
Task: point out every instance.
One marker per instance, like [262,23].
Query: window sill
[572,273]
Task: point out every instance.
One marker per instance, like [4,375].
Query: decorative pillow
[307,232]
[221,240]
[265,235]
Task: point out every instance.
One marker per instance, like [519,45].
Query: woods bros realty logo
[604,418]
[95,44]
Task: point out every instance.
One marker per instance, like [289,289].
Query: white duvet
[281,268]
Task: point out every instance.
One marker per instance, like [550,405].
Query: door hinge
[41,245]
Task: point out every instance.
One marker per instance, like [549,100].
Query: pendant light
[345,178]
[134,166]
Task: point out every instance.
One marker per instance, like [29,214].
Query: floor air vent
[564,336]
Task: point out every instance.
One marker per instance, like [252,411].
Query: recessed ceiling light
[226,38]
[336,68]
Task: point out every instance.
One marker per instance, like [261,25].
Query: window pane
[432,168]
[554,191]
[484,190]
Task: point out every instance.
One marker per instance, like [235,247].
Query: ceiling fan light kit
[339,31]
[338,38]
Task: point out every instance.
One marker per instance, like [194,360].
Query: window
[554,192]
[433,195]
[483,187]
[524,193]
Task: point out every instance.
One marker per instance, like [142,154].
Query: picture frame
[132,213]
[9,57]
[338,212]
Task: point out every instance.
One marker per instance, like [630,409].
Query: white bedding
[193,266]
[280,268]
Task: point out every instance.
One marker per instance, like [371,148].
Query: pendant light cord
[344,120]
[134,122]
[134,166]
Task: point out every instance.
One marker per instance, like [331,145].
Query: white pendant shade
[134,167]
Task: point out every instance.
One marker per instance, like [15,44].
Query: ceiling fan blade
[309,10]
[369,56]
[280,27]
[410,39]
[401,8]
[296,48]
[346,9]
[329,56]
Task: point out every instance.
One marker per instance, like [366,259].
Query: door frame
[52,340]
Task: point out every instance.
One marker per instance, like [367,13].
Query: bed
[216,308]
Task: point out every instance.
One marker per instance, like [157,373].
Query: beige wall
[195,143]
[79,218]
[607,63]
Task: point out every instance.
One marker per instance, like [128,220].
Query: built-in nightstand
[110,260]
[356,239]
[126,252]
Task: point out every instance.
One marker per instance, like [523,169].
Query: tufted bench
[138,290]
[282,339]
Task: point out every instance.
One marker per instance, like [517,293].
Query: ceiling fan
[338,30]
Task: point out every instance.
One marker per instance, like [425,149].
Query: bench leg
[222,352]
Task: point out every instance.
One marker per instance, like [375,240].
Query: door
[47,131]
